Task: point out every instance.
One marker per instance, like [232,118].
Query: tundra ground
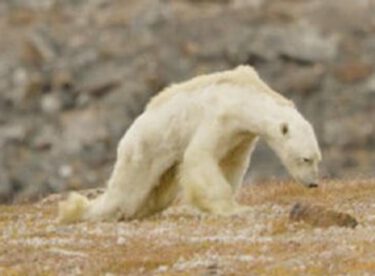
[181,241]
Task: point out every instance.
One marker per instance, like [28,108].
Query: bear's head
[295,143]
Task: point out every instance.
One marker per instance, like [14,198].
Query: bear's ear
[284,128]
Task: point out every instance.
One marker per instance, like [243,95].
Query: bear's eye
[284,129]
[307,160]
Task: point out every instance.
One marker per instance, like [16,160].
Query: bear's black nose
[312,185]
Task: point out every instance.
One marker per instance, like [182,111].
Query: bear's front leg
[205,186]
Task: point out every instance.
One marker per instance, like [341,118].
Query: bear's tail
[73,209]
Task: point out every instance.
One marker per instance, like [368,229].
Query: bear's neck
[261,112]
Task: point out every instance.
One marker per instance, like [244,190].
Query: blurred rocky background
[75,73]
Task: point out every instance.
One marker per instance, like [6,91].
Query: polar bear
[197,137]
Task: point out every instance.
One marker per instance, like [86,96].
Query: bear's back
[243,76]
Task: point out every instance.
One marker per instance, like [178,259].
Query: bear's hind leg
[128,189]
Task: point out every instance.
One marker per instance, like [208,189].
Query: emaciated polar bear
[199,136]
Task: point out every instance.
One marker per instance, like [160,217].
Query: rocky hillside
[74,74]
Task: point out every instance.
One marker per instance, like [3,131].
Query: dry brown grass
[181,241]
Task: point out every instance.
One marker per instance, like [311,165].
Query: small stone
[371,84]
[65,171]
[162,269]
[13,133]
[121,241]
[212,269]
[51,104]
[62,80]
[45,138]
[6,190]
[319,216]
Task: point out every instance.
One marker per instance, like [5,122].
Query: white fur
[199,136]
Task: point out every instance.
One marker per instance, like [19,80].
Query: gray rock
[12,133]
[82,128]
[301,42]
[306,43]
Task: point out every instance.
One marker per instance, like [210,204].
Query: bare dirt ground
[181,241]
